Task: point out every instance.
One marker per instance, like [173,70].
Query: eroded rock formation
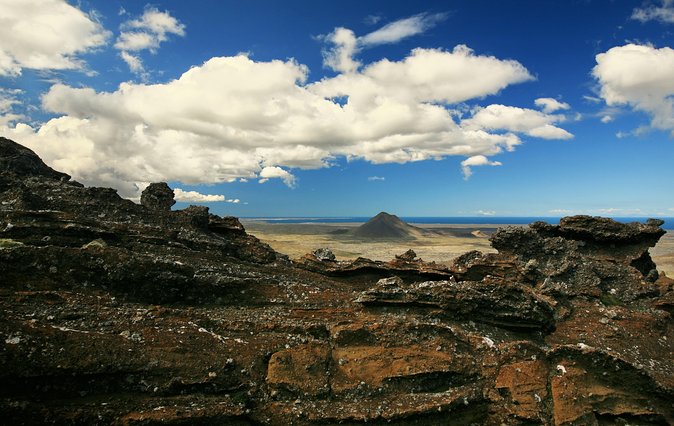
[116,313]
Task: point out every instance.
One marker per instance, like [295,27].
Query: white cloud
[549,105]
[146,33]
[45,34]
[514,119]
[196,197]
[8,98]
[606,119]
[376,178]
[134,62]
[427,75]
[234,118]
[592,99]
[617,211]
[403,28]
[639,76]
[561,211]
[271,172]
[340,57]
[372,19]
[664,13]
[486,212]
[476,160]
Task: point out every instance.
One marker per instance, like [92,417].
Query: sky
[333,109]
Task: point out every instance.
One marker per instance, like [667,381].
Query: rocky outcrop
[508,305]
[119,313]
[158,197]
[406,265]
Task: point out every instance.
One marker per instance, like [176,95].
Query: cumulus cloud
[663,13]
[549,105]
[271,172]
[233,117]
[514,119]
[376,178]
[45,34]
[606,119]
[197,197]
[146,33]
[340,57]
[476,160]
[639,76]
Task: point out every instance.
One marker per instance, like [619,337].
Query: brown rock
[302,370]
[525,384]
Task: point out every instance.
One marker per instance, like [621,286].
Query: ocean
[478,220]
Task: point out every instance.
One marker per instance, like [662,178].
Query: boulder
[157,197]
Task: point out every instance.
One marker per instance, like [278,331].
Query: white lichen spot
[487,341]
[14,340]
[561,369]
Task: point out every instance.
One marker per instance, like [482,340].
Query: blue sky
[304,108]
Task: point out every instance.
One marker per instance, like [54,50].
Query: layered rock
[119,313]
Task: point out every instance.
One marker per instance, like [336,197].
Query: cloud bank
[234,118]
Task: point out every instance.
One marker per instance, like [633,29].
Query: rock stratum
[119,313]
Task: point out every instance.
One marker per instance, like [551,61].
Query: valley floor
[442,244]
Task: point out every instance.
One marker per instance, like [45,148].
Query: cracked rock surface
[119,313]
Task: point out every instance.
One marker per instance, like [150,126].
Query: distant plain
[442,244]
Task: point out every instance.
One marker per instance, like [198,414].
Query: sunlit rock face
[115,312]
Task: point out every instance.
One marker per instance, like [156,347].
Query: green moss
[9,243]
[609,299]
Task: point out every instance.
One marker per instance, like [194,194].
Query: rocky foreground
[119,313]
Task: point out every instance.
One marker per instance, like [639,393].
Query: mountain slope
[387,226]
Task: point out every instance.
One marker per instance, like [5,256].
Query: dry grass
[663,254]
[448,242]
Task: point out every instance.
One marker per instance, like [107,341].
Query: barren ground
[450,241]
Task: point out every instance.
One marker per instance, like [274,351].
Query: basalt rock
[116,313]
[20,161]
[412,269]
[509,305]
[586,256]
[157,196]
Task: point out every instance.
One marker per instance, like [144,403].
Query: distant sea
[478,220]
